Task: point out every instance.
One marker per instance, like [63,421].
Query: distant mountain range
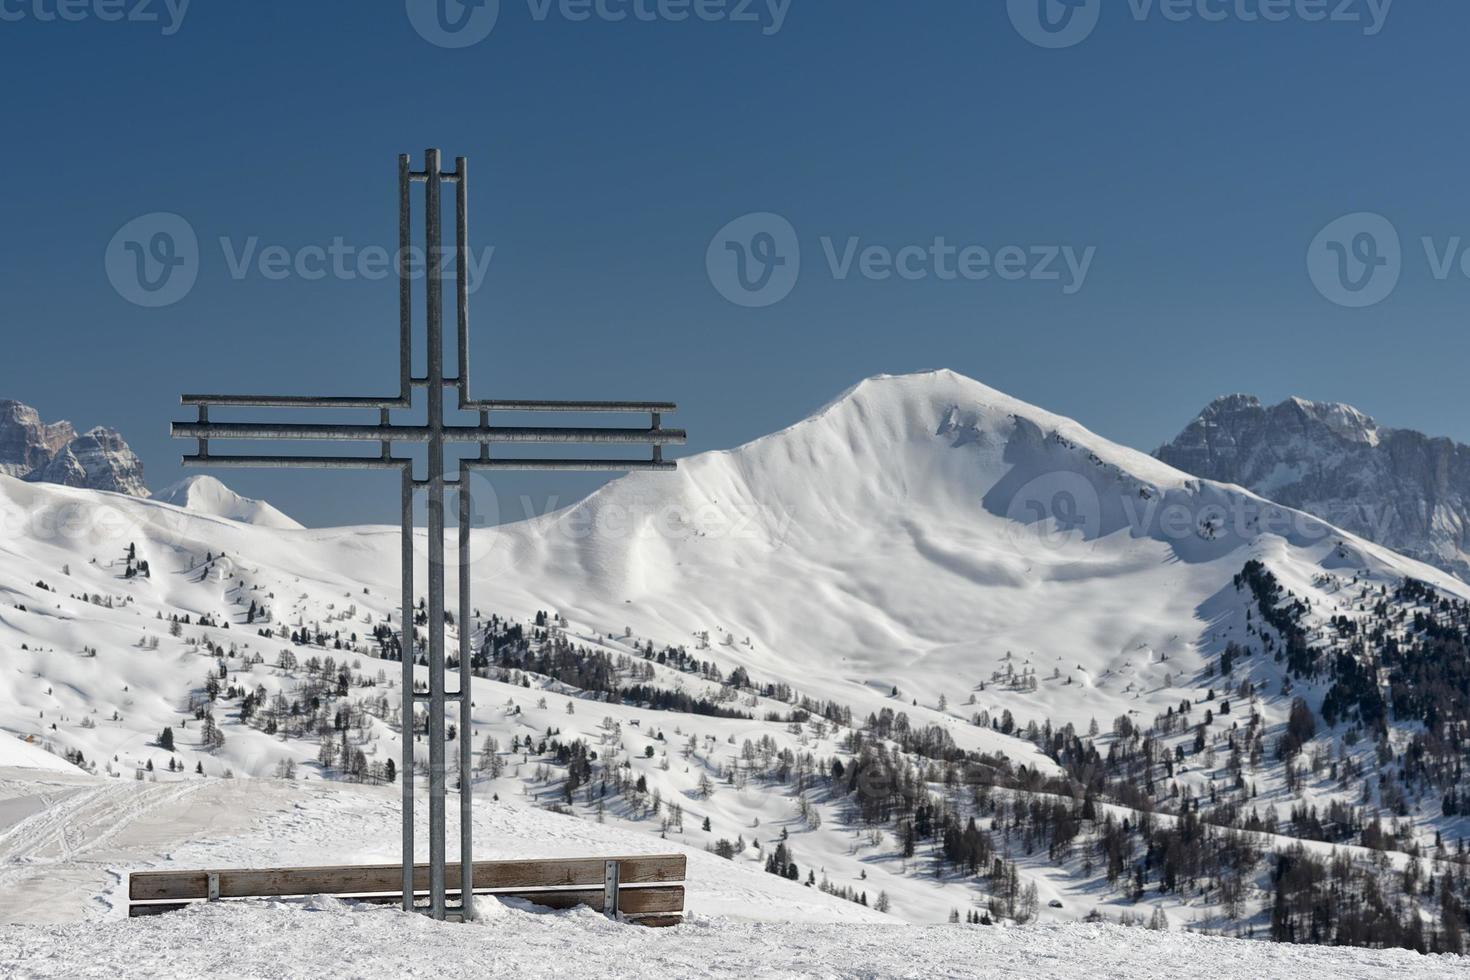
[42,452]
[100,459]
[1399,488]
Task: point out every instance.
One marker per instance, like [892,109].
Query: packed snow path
[324,938]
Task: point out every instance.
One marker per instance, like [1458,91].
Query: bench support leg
[611,878]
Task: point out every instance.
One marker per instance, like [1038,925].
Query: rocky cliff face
[1398,487]
[26,442]
[53,453]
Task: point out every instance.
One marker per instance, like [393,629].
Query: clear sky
[1190,153]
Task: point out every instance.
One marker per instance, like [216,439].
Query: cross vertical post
[437,436]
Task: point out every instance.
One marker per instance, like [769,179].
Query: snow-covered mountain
[927,603]
[1398,487]
[206,495]
[98,459]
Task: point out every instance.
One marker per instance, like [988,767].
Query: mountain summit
[206,495]
[98,459]
[1397,487]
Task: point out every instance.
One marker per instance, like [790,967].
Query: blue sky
[1194,152]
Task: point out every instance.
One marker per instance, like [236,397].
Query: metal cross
[437,435]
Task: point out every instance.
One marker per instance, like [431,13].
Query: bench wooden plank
[177,886]
[631,901]
[657,905]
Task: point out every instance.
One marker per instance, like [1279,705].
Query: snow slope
[910,535]
[17,753]
[206,495]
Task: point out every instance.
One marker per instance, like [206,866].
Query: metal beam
[435,430]
[299,462]
[436,438]
[295,401]
[466,689]
[505,405]
[577,465]
[406,653]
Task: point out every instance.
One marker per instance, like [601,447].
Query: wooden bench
[646,889]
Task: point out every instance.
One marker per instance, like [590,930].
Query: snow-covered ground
[67,842]
[72,838]
[321,938]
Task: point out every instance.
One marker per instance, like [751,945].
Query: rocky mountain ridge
[1397,487]
[41,452]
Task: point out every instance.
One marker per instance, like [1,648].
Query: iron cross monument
[438,436]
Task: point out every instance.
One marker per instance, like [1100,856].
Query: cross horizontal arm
[500,405]
[354,401]
[300,462]
[422,433]
[294,401]
[574,465]
[374,463]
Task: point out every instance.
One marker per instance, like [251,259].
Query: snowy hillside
[206,495]
[931,649]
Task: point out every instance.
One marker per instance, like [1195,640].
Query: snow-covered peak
[206,495]
[916,412]
[1342,420]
